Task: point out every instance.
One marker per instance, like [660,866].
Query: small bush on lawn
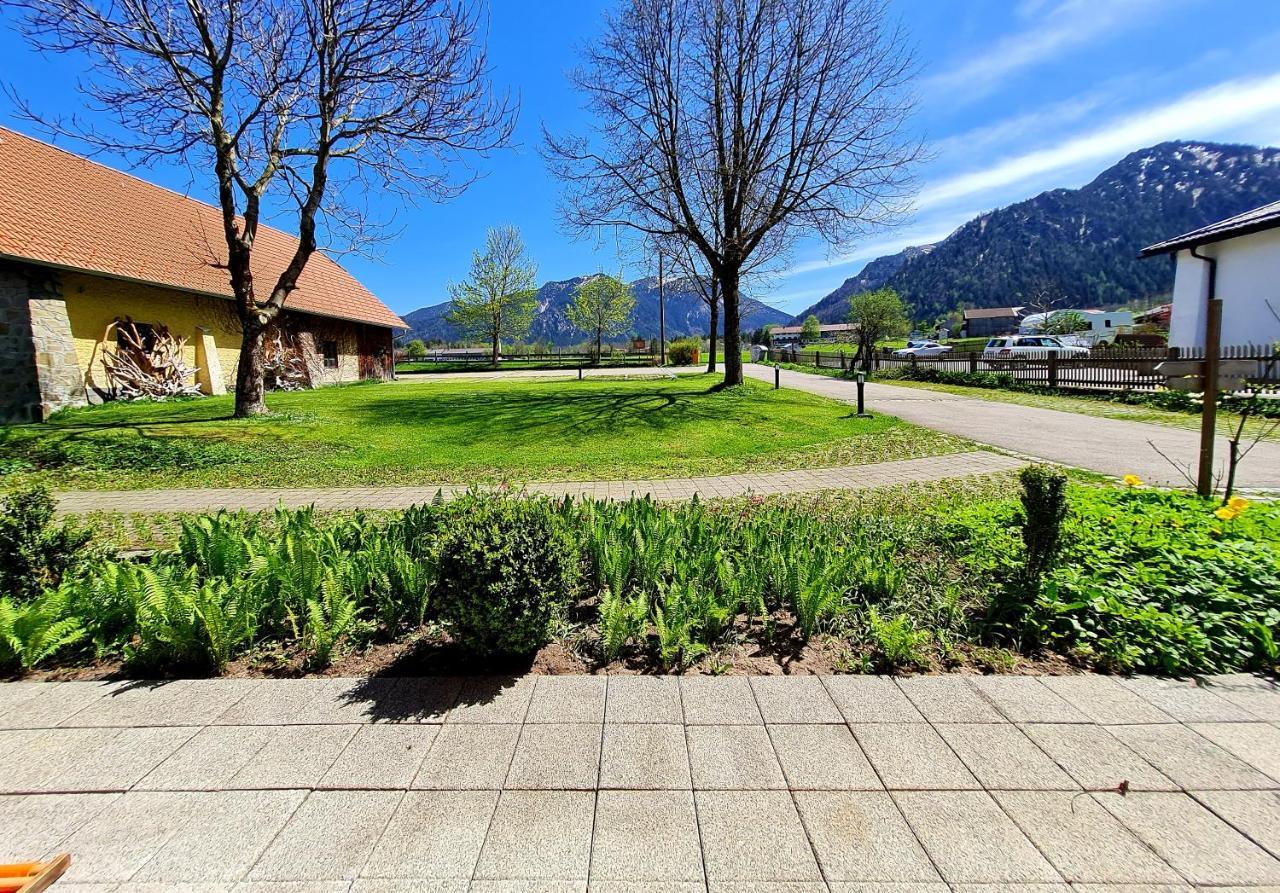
[685,352]
[507,568]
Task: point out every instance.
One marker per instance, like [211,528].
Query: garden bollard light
[862,383]
[777,376]
[579,373]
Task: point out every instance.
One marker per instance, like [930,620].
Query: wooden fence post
[1053,368]
[973,361]
[1209,405]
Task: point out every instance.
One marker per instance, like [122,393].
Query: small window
[1107,323]
[329,349]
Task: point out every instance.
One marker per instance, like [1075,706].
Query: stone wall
[39,373]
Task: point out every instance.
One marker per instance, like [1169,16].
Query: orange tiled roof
[60,209]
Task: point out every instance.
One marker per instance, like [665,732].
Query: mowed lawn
[442,431]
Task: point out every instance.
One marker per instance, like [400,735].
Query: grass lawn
[442,431]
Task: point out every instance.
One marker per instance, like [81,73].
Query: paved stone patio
[626,784]
[849,477]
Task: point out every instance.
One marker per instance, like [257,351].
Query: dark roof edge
[1200,237]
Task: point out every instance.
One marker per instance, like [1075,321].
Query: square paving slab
[646,785]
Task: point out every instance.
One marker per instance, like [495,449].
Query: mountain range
[1081,243]
[686,314]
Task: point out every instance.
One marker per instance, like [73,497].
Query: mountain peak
[1084,241]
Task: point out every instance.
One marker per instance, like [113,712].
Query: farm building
[987,321]
[84,247]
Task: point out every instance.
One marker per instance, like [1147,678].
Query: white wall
[1248,279]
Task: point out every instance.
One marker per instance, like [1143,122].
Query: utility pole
[662,316]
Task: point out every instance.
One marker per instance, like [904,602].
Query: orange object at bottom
[32,877]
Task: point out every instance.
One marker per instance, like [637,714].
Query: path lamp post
[862,403]
[777,376]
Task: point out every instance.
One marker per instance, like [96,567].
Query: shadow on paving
[414,688]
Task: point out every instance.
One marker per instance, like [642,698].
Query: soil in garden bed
[435,654]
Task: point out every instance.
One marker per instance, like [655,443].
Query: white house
[1237,260]
[1101,325]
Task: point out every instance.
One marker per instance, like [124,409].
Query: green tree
[877,316]
[602,306]
[416,349]
[1064,322]
[811,328]
[500,297]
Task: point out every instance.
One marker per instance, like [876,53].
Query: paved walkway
[627,784]
[848,477]
[1110,446]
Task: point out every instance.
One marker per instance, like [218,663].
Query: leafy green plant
[685,352]
[328,617]
[897,641]
[35,551]
[34,631]
[506,568]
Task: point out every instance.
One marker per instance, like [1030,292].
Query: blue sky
[1015,97]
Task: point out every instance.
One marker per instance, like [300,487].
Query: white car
[922,349]
[1026,347]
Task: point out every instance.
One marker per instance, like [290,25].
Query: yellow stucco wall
[94,302]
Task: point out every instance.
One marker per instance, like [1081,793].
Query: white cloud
[925,233]
[1068,24]
[1202,114]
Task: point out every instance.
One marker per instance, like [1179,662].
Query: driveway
[1109,446]
[630,784]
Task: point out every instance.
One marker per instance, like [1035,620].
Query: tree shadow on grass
[546,413]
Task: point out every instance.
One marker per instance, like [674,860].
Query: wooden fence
[1109,369]
[483,356]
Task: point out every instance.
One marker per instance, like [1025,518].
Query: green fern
[37,630]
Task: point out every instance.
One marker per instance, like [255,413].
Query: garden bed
[1053,580]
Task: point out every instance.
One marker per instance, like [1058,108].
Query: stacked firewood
[147,365]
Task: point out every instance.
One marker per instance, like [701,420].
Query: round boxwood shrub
[507,567]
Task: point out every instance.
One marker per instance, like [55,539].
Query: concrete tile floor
[624,785]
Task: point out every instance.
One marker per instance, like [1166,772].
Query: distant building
[988,321]
[1237,260]
[1102,326]
[787,336]
[84,247]
[1158,316]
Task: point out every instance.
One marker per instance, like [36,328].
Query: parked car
[1029,347]
[922,349]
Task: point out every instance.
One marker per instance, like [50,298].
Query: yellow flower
[1226,513]
[1239,503]
[1132,480]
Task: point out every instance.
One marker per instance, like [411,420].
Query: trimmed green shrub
[507,568]
[1044,505]
[685,352]
[35,552]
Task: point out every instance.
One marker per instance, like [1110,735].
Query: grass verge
[472,431]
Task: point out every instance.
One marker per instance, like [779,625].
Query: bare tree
[729,122]
[307,104]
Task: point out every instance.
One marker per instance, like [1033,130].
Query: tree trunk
[715,324]
[599,344]
[496,345]
[250,387]
[732,323]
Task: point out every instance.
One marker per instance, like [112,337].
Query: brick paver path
[796,784]
[1110,446]
[850,477]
